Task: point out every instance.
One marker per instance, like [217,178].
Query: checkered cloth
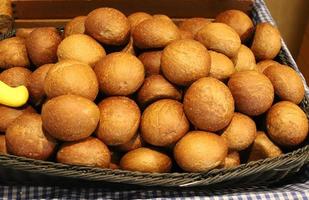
[298,188]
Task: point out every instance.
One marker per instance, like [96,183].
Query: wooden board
[303,57]
[64,9]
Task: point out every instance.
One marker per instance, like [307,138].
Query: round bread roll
[146,160]
[119,120]
[185,34]
[244,59]
[266,42]
[287,124]
[108,26]
[240,133]
[155,33]
[15,76]
[239,21]
[42,44]
[163,123]
[262,65]
[23,32]
[70,117]
[129,48]
[36,84]
[119,74]
[87,152]
[75,26]
[161,16]
[13,53]
[25,137]
[200,151]
[232,160]
[136,18]
[8,115]
[221,66]
[135,143]
[151,61]
[193,25]
[185,61]
[287,83]
[252,91]
[155,87]
[263,148]
[209,104]
[221,38]
[3,149]
[82,48]
[78,79]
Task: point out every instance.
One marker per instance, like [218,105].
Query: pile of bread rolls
[142,93]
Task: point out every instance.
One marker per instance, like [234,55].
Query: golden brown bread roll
[75,26]
[200,151]
[240,133]
[23,32]
[13,53]
[185,34]
[155,33]
[287,124]
[136,18]
[16,76]
[119,120]
[81,48]
[119,73]
[108,26]
[36,84]
[134,143]
[87,152]
[156,87]
[263,148]
[163,123]
[151,61]
[71,78]
[219,37]
[70,117]
[129,48]
[287,83]
[8,115]
[266,42]
[146,160]
[231,160]
[209,104]
[262,65]
[244,59]
[25,137]
[221,66]
[193,25]
[252,91]
[42,45]
[185,61]
[239,21]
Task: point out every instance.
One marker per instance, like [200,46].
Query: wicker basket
[266,171]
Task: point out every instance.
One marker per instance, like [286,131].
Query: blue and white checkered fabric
[298,188]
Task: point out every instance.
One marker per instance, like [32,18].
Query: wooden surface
[291,17]
[303,57]
[61,9]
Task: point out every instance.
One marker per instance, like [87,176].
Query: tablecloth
[296,187]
